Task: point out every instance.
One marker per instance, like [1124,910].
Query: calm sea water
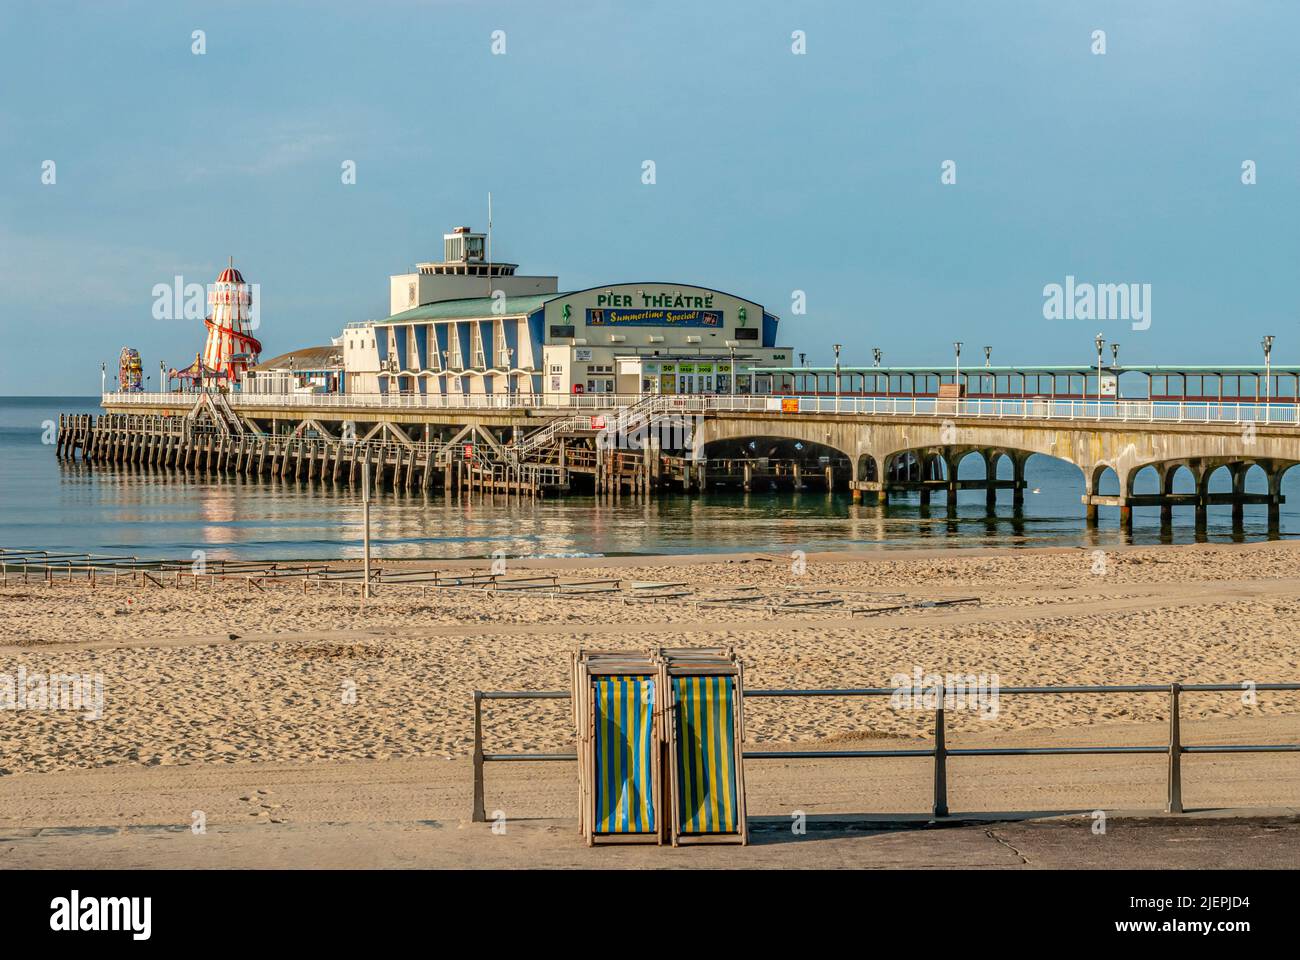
[73,507]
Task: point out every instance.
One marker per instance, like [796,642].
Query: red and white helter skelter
[230,349]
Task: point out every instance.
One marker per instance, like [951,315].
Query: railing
[1174,749]
[1026,409]
[390,401]
[1162,411]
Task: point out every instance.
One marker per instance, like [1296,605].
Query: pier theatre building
[469,326]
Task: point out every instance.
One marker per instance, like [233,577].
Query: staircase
[221,407]
[644,407]
[223,417]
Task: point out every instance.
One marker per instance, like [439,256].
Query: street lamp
[837,375]
[988,356]
[1114,361]
[732,348]
[103,378]
[1267,344]
[1101,342]
[956,376]
[803,359]
[876,355]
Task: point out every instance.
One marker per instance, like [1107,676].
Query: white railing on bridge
[388,401]
[1027,409]
[1032,408]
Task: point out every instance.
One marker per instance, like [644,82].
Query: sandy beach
[218,673]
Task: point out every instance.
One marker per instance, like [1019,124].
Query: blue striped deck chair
[624,748]
[707,781]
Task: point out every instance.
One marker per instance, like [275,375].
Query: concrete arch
[765,462]
[1090,445]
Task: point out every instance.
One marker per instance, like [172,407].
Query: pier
[876,447]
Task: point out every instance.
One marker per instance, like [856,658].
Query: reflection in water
[150,512]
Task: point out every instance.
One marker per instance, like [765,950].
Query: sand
[178,690]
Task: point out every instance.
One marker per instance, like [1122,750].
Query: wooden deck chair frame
[677,664]
[589,668]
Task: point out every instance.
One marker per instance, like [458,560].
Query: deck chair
[704,734]
[619,747]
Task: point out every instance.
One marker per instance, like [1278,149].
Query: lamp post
[1101,342]
[876,355]
[837,376]
[1114,365]
[1267,344]
[956,371]
[988,356]
[103,378]
[732,381]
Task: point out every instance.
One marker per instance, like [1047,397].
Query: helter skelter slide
[230,349]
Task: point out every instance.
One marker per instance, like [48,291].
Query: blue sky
[775,172]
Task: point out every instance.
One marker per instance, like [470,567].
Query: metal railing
[1031,408]
[1163,411]
[390,401]
[939,752]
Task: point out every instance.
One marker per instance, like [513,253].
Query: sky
[775,171]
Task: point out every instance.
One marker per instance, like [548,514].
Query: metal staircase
[645,408]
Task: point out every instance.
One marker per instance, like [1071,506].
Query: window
[747,333]
[561,332]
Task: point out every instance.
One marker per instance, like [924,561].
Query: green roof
[472,308]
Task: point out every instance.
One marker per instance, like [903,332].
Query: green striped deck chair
[705,771]
[625,743]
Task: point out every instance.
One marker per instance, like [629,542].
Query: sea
[75,507]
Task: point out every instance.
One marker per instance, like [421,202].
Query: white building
[464,272]
[528,338]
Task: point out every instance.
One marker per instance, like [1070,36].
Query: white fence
[1032,408]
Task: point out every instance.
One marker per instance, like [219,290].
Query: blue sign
[654,318]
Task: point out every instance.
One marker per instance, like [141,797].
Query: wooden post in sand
[479,814]
[940,808]
[365,523]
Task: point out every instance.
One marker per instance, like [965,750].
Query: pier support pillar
[1018,475]
[1126,516]
[1238,471]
